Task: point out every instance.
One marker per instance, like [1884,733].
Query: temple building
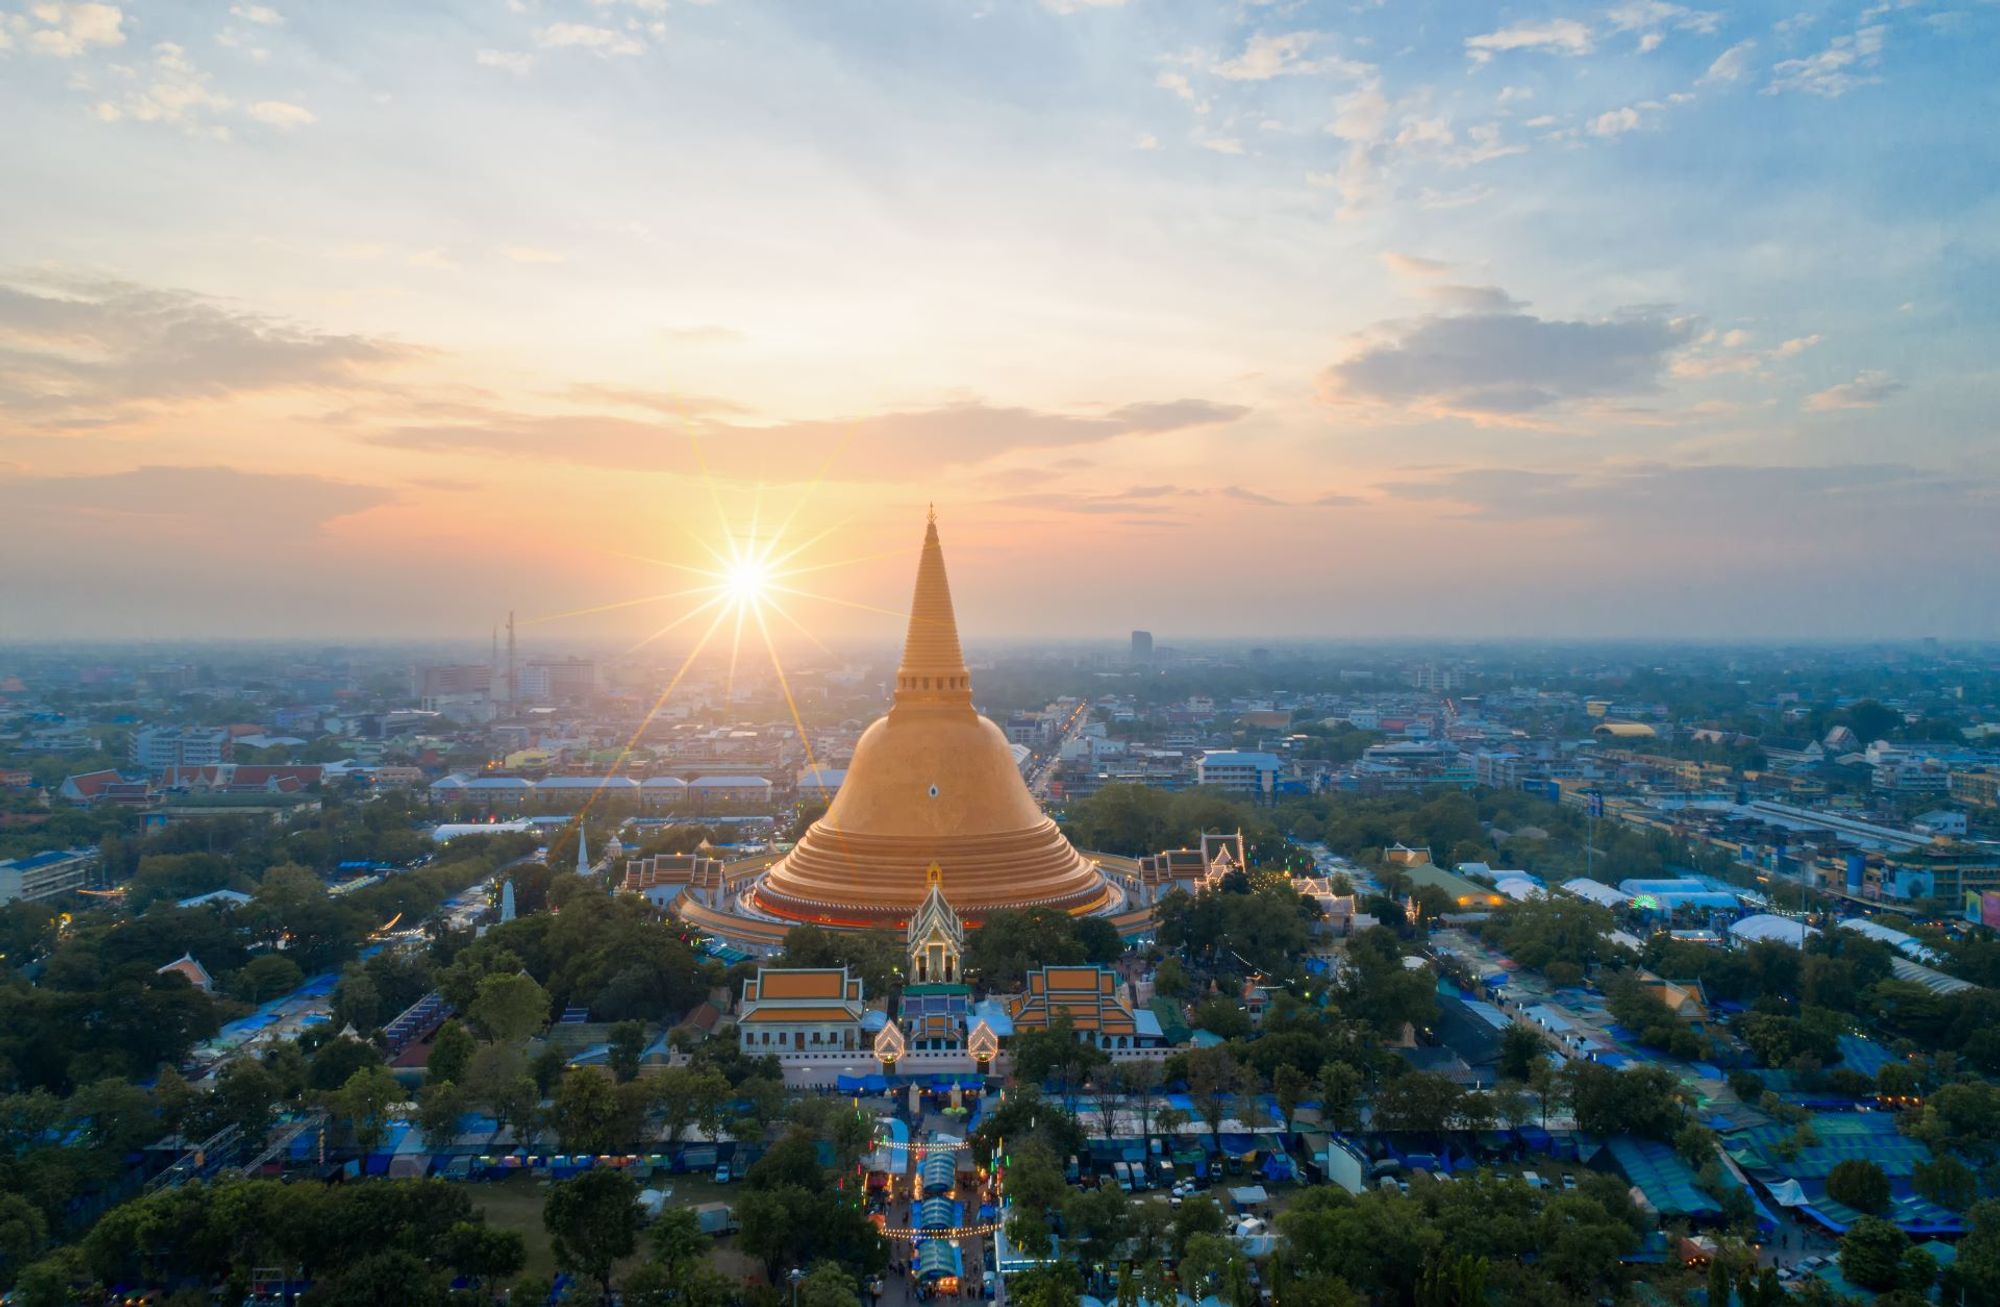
[936,1003]
[932,784]
[791,1010]
[1148,880]
[1095,1000]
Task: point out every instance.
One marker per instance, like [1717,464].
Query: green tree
[1871,1253]
[1290,1086]
[588,1114]
[628,1041]
[509,1008]
[440,1103]
[1520,1048]
[451,1052]
[1214,1079]
[23,1234]
[1860,1184]
[364,1105]
[1947,1182]
[593,1222]
[268,976]
[1340,1096]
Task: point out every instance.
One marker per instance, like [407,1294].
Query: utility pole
[1594,809]
[513,686]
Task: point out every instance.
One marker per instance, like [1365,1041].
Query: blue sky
[1456,318]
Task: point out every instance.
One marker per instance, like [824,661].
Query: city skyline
[1289,321]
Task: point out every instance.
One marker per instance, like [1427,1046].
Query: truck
[715,1218]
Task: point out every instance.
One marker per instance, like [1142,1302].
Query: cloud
[82,346]
[506,60]
[1218,144]
[1146,141]
[1267,56]
[262,15]
[706,333]
[67,31]
[1473,299]
[203,502]
[1555,36]
[1503,365]
[1146,505]
[1615,123]
[530,254]
[1651,19]
[1868,390]
[1411,265]
[654,401]
[1722,497]
[277,113]
[582,36]
[178,95]
[1181,88]
[1834,71]
[1727,355]
[1732,65]
[1067,7]
[881,445]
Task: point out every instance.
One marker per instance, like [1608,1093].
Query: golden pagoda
[932,784]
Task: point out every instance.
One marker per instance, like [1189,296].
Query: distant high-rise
[1142,646]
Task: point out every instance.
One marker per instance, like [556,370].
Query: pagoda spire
[933,669]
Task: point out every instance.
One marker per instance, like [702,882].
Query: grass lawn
[516,1204]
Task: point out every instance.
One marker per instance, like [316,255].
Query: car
[986,1285]
[722,1173]
[1569,1181]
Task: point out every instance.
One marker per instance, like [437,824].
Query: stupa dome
[931,782]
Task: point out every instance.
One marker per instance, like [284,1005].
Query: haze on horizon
[1280,319]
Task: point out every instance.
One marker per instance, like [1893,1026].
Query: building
[1239,771]
[936,1002]
[105,786]
[195,973]
[41,876]
[559,680]
[1097,1006]
[453,680]
[933,783]
[664,877]
[1980,789]
[1142,646]
[169,748]
[794,1010]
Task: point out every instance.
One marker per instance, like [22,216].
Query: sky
[1218,319]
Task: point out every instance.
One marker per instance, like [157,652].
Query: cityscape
[1068,653]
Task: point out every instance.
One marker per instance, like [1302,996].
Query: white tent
[1764,926]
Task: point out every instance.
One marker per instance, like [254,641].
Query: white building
[1239,771]
[788,1011]
[167,748]
[45,875]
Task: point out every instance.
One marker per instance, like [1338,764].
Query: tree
[1871,1253]
[1420,1102]
[1214,1078]
[1520,1048]
[1340,1096]
[1290,1086]
[483,1254]
[363,1104]
[440,1103]
[509,1008]
[676,1238]
[593,1222]
[587,1114]
[268,976]
[1859,1183]
[23,1234]
[687,1095]
[451,1052]
[1055,1051]
[828,1285]
[628,1041]
[1947,1182]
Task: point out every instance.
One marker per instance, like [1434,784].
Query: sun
[747,581]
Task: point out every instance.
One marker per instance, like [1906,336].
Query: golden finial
[934,876]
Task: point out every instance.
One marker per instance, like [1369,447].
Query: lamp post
[796,1277]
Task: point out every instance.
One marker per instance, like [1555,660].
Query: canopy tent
[873,1083]
[939,1259]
